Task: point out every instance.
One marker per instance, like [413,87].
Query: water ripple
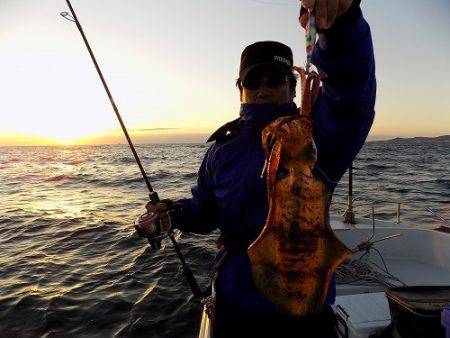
[73,266]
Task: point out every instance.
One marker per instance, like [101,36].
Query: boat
[414,257]
[393,254]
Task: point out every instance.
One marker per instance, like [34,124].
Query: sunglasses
[271,80]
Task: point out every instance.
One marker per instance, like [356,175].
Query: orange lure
[296,253]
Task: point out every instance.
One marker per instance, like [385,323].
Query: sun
[65,134]
[65,128]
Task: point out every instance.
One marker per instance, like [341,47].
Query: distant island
[444,139]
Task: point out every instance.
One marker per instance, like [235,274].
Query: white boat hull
[417,257]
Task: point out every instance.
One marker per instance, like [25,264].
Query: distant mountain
[444,139]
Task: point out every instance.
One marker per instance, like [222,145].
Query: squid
[296,253]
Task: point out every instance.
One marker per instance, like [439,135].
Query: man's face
[264,85]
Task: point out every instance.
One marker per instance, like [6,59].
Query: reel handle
[153,221]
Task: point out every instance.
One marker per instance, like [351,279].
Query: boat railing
[355,205]
[354,202]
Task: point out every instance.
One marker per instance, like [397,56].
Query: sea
[72,265]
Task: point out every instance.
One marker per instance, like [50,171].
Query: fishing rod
[154,198]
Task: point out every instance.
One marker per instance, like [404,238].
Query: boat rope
[438,216]
[363,271]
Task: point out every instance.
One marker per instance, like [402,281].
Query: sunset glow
[173,80]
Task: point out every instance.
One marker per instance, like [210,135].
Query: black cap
[266,53]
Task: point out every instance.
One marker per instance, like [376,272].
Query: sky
[171,66]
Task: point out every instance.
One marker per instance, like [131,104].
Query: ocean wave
[125,160]
[67,177]
[444,182]
[88,232]
[6,220]
[12,160]
[58,178]
[76,162]
[112,182]
[377,166]
[162,174]
[127,181]
[72,264]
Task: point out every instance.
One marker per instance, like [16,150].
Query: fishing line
[152,194]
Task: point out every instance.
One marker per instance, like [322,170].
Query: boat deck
[410,272]
[416,257]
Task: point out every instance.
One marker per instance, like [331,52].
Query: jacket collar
[260,115]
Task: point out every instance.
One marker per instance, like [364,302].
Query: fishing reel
[150,225]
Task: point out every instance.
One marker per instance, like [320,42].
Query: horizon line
[369,140]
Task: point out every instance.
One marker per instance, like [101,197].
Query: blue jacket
[231,196]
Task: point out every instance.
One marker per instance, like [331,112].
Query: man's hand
[326,11]
[156,221]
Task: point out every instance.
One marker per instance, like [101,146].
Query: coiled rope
[362,271]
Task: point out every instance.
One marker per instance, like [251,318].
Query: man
[231,196]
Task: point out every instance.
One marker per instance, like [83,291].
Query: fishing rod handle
[154,198]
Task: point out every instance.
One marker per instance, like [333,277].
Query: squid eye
[282,172]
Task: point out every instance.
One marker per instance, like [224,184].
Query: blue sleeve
[344,109]
[198,214]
